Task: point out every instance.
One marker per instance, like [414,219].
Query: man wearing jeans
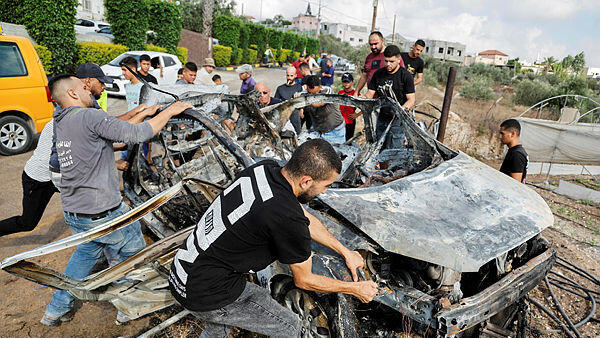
[259,219]
[89,183]
[327,120]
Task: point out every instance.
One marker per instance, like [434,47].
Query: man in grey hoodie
[89,184]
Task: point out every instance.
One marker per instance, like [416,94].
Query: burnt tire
[314,318]
[16,135]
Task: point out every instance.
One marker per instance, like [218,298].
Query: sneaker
[51,321]
[122,319]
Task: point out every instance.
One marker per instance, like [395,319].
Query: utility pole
[374,15]
[260,16]
[242,9]
[207,23]
[318,21]
[394,29]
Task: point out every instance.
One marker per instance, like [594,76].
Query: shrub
[227,30]
[496,74]
[12,11]
[295,55]
[300,43]
[236,55]
[258,37]
[182,54]
[573,85]
[98,52]
[437,67]
[312,46]
[244,41]
[51,23]
[288,41]
[275,38]
[128,28]
[430,78]
[221,55]
[477,88]
[528,92]
[166,23]
[283,54]
[154,48]
[251,56]
[45,57]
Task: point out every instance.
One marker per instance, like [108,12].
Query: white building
[90,9]
[593,72]
[306,22]
[492,57]
[354,35]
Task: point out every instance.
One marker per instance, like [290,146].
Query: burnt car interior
[197,154]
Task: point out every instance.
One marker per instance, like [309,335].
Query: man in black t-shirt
[259,219]
[516,160]
[396,83]
[413,63]
[144,68]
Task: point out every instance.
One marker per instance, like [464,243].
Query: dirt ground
[575,234]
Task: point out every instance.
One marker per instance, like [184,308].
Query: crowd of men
[75,156]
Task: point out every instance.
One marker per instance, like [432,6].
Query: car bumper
[515,285]
[117,88]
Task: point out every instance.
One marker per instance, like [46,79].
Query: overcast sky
[523,28]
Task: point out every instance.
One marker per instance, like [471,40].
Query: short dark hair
[511,124]
[144,57]
[180,71]
[420,43]
[313,81]
[315,158]
[53,84]
[130,61]
[216,77]
[304,65]
[378,33]
[391,50]
[191,66]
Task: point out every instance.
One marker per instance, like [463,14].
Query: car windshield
[103,26]
[118,59]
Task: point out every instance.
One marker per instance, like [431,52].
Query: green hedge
[251,56]
[98,52]
[155,48]
[300,44]
[258,37]
[288,40]
[295,55]
[244,40]
[182,54]
[275,38]
[45,57]
[236,55]
[283,54]
[222,55]
[165,21]
[128,21]
[227,30]
[312,46]
[51,23]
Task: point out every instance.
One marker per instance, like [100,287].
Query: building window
[458,52]
[450,50]
[360,40]
[426,49]
[441,50]
[87,6]
[325,27]
[340,32]
[351,39]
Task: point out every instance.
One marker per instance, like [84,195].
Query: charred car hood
[460,214]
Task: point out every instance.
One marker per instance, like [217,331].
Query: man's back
[255,221]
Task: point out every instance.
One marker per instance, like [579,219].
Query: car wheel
[15,135]
[314,321]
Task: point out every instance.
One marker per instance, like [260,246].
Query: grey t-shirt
[325,118]
[285,92]
[84,138]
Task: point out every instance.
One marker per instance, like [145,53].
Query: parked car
[106,31]
[25,103]
[169,62]
[452,243]
[83,26]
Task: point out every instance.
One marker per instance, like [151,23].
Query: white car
[169,62]
[83,26]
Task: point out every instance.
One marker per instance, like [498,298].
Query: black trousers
[36,196]
[350,127]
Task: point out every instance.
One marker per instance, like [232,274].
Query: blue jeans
[395,137]
[123,243]
[335,136]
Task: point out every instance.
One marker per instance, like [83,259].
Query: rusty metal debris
[443,236]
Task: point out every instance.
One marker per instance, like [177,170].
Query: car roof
[150,53]
[13,38]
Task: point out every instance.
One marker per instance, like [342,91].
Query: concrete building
[593,72]
[402,42]
[354,35]
[444,50]
[306,22]
[492,57]
[90,9]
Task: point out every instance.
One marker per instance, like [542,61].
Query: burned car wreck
[452,243]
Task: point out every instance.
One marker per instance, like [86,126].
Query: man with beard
[374,61]
[259,219]
[414,64]
[265,99]
[89,182]
[286,92]
[396,83]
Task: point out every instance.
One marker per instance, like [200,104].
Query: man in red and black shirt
[374,60]
[349,113]
[297,63]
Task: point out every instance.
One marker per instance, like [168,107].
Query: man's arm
[517,176]
[139,117]
[160,120]
[130,114]
[410,101]
[305,279]
[419,78]
[361,83]
[370,94]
